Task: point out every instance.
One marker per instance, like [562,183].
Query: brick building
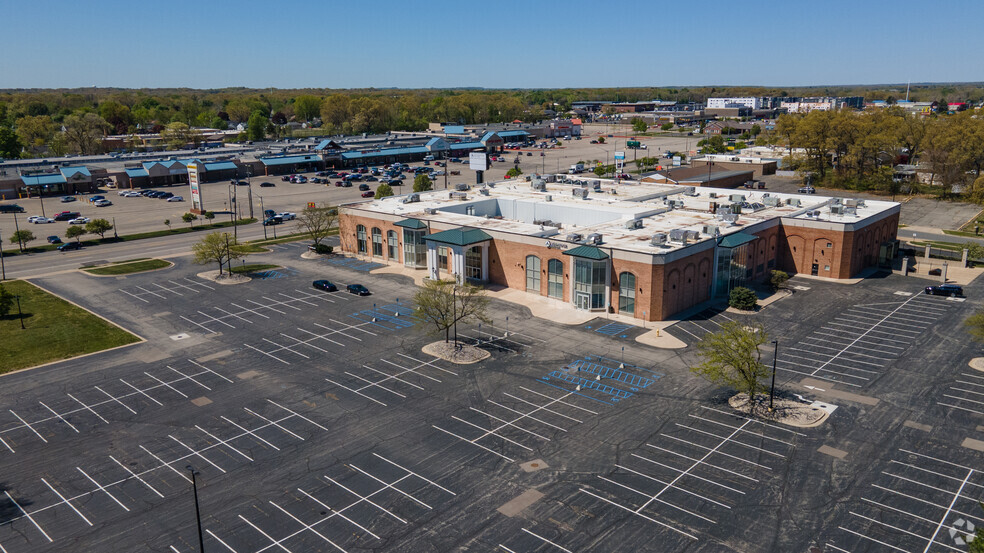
[645,250]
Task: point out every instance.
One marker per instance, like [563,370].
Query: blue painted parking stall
[602,379]
[274,274]
[353,263]
[393,316]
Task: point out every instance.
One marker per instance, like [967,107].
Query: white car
[437,173]
[43,220]
[175,199]
[79,221]
[287,216]
[34,218]
[102,203]
[131,194]
[123,192]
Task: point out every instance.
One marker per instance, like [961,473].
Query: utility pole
[41,197]
[20,313]
[20,243]
[775,355]
[3,269]
[262,210]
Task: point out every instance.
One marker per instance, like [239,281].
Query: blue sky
[505,44]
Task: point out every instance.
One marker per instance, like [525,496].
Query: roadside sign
[619,155]
[478,161]
[196,195]
[310,205]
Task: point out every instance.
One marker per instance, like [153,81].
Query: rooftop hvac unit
[597,186]
[754,206]
[596,183]
[723,210]
[574,237]
[771,201]
[711,230]
[736,198]
[731,218]
[633,224]
[851,210]
[658,239]
[690,191]
[678,235]
[430,210]
[412,198]
[483,191]
[850,202]
[539,184]
[692,235]
[580,193]
[458,195]
[548,198]
[795,202]
[836,201]
[595,239]
[836,209]
[713,194]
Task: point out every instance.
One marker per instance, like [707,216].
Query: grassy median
[53,330]
[128,267]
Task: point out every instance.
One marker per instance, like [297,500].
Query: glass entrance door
[582,300]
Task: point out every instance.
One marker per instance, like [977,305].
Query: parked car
[102,203]
[358,289]
[287,216]
[807,190]
[363,187]
[273,221]
[267,213]
[165,195]
[54,240]
[67,199]
[325,285]
[68,246]
[175,199]
[368,194]
[79,221]
[12,208]
[267,184]
[67,215]
[951,290]
[43,220]
[96,198]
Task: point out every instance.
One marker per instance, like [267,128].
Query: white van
[428,158]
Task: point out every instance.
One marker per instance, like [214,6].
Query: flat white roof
[612,210]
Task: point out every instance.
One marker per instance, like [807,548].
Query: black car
[275,220]
[267,185]
[54,240]
[357,289]
[325,285]
[165,195]
[68,246]
[363,187]
[267,213]
[951,290]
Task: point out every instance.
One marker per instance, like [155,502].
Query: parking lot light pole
[262,211]
[775,355]
[3,269]
[198,515]
[20,243]
[41,197]
[19,312]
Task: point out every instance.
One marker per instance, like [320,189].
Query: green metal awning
[413,224]
[459,237]
[588,252]
[736,239]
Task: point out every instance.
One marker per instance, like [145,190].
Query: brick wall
[347,228]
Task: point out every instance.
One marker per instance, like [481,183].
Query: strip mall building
[645,250]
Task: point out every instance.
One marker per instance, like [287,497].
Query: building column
[432,269]
[457,254]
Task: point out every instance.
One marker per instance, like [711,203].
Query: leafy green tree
[22,237]
[217,247]
[167,223]
[189,218]
[742,298]
[422,183]
[666,126]
[98,226]
[974,250]
[10,144]
[307,107]
[208,216]
[75,232]
[83,132]
[601,140]
[318,221]
[256,126]
[732,357]
[514,172]
[443,303]
[35,132]
[638,125]
[777,280]
[384,190]
[6,301]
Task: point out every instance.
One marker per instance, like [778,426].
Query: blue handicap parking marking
[353,263]
[384,317]
[611,329]
[283,272]
[595,375]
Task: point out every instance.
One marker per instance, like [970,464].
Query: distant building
[748,102]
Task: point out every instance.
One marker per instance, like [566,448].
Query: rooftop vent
[658,239]
[633,224]
[594,238]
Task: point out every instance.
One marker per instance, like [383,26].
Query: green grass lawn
[252,267]
[127,267]
[54,330]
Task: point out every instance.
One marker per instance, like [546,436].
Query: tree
[84,131]
[217,247]
[975,543]
[974,250]
[422,183]
[98,226]
[6,301]
[256,126]
[666,126]
[778,280]
[208,215]
[10,144]
[22,237]
[732,357]
[638,125]
[307,108]
[443,303]
[167,223]
[318,221]
[75,232]
[514,172]
[35,131]
[742,298]
[178,135]
[601,140]
[189,218]
[384,190]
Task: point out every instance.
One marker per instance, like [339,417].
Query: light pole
[20,313]
[198,515]
[775,354]
[41,197]
[234,208]
[249,188]
[262,211]
[20,243]
[3,269]
[116,234]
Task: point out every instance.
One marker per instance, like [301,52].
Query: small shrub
[778,280]
[742,298]
[323,249]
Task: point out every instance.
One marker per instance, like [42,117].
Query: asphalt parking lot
[316,423]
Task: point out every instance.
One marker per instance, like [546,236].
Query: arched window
[377,242]
[393,245]
[626,293]
[360,238]
[555,279]
[532,274]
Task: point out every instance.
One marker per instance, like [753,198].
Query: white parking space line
[141,392]
[473,443]
[167,465]
[309,527]
[24,422]
[134,296]
[152,293]
[348,326]
[216,538]
[357,392]
[248,432]
[103,489]
[641,515]
[28,516]
[296,414]
[66,502]
[273,423]
[270,307]
[197,453]
[70,425]
[88,408]
[365,499]
[273,542]
[321,337]
[545,540]
[248,310]
[177,391]
[340,512]
[427,363]
[113,398]
[136,476]
[270,355]
[230,314]
[396,377]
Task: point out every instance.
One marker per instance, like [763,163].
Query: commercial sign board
[196,194]
[478,161]
[619,155]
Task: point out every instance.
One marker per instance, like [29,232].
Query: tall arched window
[532,274]
[626,293]
[392,245]
[360,238]
[377,242]
[555,279]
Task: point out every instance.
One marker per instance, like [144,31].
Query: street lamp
[775,355]
[20,313]
[198,515]
[41,197]
[20,243]
[264,214]
[3,269]
[233,208]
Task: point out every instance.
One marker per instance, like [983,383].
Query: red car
[368,194]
